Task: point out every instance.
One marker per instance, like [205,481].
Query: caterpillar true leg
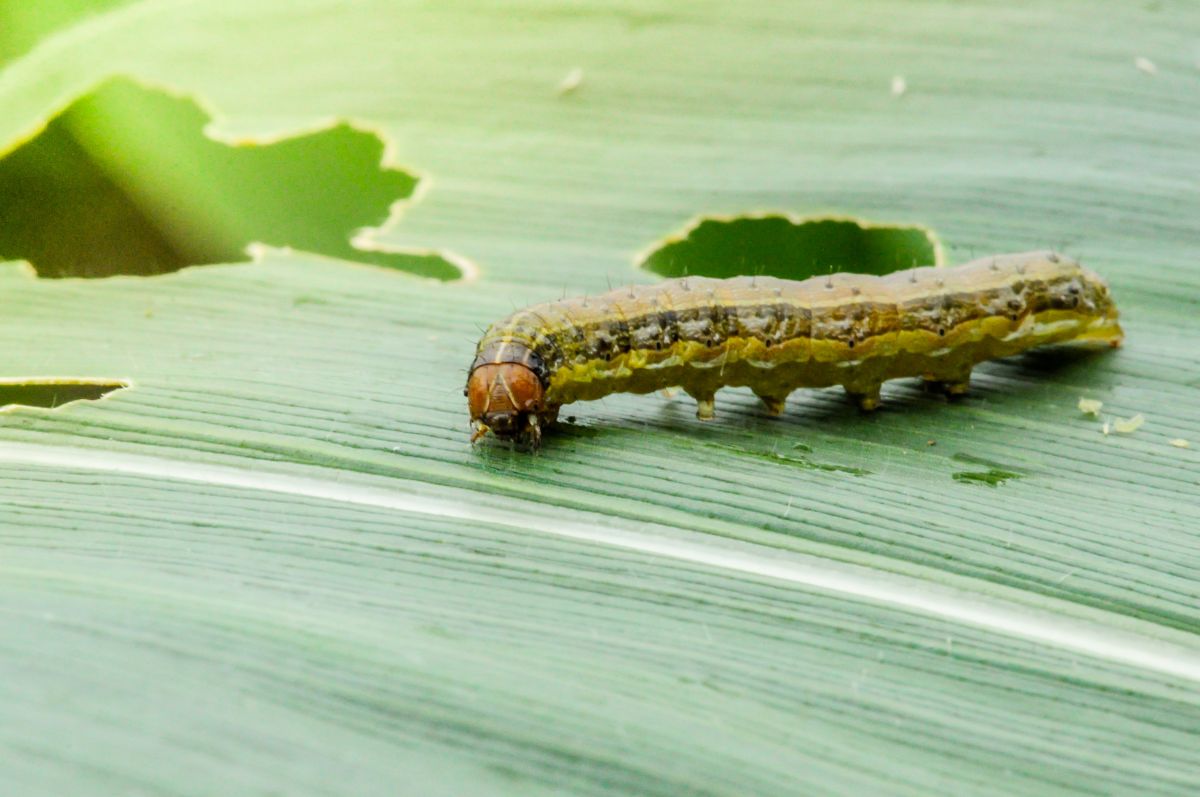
[534,434]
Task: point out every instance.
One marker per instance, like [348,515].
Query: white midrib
[1043,625]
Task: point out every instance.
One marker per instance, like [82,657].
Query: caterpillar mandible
[774,336]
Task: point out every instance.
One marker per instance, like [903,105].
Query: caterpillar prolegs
[774,336]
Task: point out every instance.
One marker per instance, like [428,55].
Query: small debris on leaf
[1145,65]
[1090,407]
[1130,425]
[1179,442]
[572,81]
[899,85]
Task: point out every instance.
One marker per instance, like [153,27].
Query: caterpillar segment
[775,336]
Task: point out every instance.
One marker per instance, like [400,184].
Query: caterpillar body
[776,335]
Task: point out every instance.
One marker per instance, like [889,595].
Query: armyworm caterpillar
[774,336]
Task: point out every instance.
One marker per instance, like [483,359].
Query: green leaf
[274,564]
[129,171]
[23,24]
[778,246]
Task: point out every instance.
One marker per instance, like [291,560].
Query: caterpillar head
[506,399]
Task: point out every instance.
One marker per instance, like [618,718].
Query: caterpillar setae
[774,335]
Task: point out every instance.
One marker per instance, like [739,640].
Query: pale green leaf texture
[275,566]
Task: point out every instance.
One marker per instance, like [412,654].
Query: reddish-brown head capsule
[505,399]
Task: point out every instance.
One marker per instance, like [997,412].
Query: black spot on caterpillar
[775,336]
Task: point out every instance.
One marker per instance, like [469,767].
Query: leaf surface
[274,563]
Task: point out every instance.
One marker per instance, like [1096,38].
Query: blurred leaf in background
[23,23]
[125,181]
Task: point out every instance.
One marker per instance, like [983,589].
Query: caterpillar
[774,336]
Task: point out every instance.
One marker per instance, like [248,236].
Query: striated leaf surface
[274,563]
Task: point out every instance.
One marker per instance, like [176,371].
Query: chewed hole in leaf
[125,181]
[54,393]
[792,248]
